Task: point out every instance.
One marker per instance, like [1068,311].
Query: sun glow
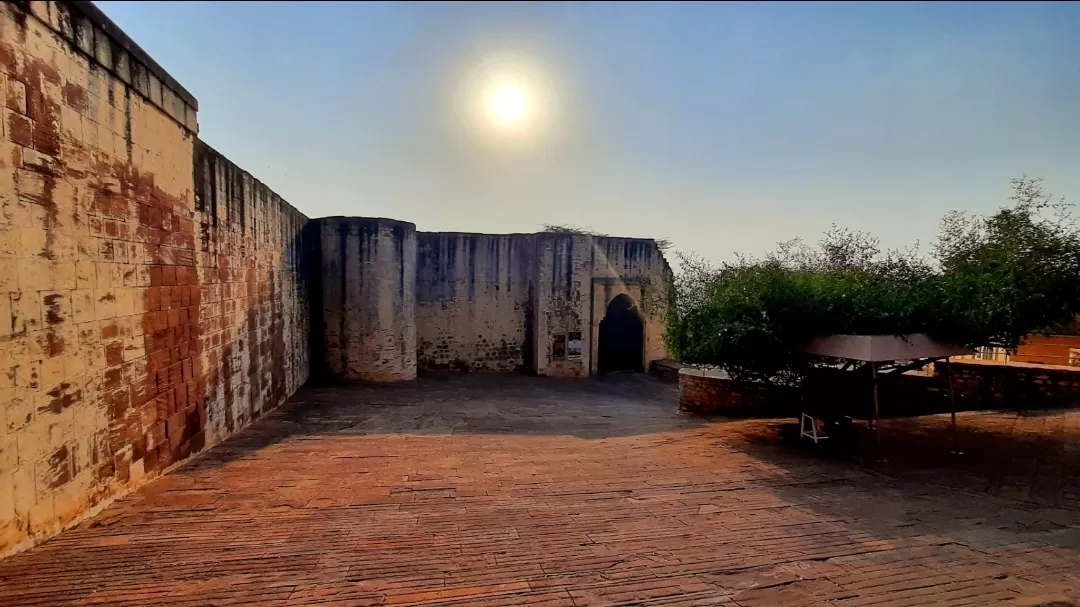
[509,106]
[506,100]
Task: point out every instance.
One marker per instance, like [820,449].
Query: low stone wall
[979,385]
[1014,385]
[666,370]
[707,391]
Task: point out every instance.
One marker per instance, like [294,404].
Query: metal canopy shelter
[892,353]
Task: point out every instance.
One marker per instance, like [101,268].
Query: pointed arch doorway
[621,337]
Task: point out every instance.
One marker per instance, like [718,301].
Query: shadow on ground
[1021,471]
[1026,456]
[600,407]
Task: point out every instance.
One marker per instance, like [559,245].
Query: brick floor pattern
[508,490]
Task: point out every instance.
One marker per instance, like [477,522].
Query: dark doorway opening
[622,338]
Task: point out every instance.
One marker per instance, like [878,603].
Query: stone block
[24,494]
[82,304]
[53,471]
[105,304]
[64,275]
[6,317]
[10,248]
[9,454]
[56,308]
[72,498]
[19,128]
[34,274]
[42,516]
[125,301]
[15,98]
[7,498]
[25,312]
[53,371]
[9,276]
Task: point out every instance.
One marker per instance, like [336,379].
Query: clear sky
[724,127]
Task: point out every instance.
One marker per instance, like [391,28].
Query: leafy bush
[992,280]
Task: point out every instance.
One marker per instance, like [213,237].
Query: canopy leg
[877,413]
[952,404]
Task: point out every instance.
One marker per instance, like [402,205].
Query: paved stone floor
[508,490]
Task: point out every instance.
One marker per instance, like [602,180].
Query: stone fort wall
[155,298]
[502,302]
[577,277]
[363,300]
[392,300]
[474,301]
[144,314]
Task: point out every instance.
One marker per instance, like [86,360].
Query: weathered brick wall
[564,270]
[1015,385]
[978,385]
[474,301]
[364,323]
[253,314]
[706,391]
[637,268]
[95,184]
[578,276]
[496,302]
[666,370]
[134,322]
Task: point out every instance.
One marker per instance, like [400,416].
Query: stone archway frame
[604,291]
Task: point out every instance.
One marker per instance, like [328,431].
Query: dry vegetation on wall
[990,281]
[664,244]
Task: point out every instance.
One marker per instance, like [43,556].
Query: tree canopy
[989,281]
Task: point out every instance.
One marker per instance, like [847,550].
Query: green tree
[993,280]
[1013,273]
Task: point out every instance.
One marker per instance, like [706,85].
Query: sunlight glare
[509,106]
[506,100]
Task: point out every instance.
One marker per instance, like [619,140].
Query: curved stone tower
[366,281]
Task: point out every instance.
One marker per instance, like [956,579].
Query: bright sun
[509,106]
[506,101]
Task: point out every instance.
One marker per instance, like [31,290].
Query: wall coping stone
[710,373]
[1018,365]
[90,32]
[366,220]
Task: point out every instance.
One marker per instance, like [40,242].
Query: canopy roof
[878,348]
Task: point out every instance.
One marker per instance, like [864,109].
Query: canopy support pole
[952,403]
[877,413]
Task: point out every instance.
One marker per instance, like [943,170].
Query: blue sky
[724,127]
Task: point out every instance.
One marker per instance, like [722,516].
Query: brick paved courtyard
[509,490]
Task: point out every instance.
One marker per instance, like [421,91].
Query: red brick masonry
[978,385]
[706,391]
